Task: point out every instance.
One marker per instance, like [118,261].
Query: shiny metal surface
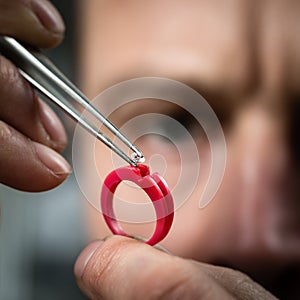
[47,79]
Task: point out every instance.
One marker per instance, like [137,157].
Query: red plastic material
[155,187]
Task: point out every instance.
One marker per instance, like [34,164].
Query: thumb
[123,268]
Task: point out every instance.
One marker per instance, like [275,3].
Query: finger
[123,268]
[36,22]
[21,109]
[237,283]
[27,165]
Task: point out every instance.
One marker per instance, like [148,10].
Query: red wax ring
[155,187]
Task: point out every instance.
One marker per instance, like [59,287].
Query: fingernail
[138,238]
[52,160]
[53,125]
[157,246]
[107,237]
[48,16]
[163,249]
[85,257]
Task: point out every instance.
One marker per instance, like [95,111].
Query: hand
[123,268]
[30,132]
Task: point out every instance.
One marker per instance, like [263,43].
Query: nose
[262,143]
[267,182]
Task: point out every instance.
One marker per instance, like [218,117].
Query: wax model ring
[155,187]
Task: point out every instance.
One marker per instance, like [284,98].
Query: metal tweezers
[37,69]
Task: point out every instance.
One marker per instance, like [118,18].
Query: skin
[259,85]
[128,269]
[244,58]
[30,133]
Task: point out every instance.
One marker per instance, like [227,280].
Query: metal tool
[47,79]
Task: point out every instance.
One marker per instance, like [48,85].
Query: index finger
[21,109]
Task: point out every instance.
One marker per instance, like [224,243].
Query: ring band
[155,187]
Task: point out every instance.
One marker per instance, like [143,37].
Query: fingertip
[53,127]
[48,16]
[36,22]
[52,160]
[50,21]
[29,166]
[85,257]
[143,271]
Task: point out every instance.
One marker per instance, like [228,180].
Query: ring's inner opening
[131,201]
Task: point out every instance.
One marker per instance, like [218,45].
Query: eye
[179,126]
[160,121]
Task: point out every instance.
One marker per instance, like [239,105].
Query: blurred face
[244,58]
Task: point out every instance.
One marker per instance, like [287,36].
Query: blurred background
[42,234]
